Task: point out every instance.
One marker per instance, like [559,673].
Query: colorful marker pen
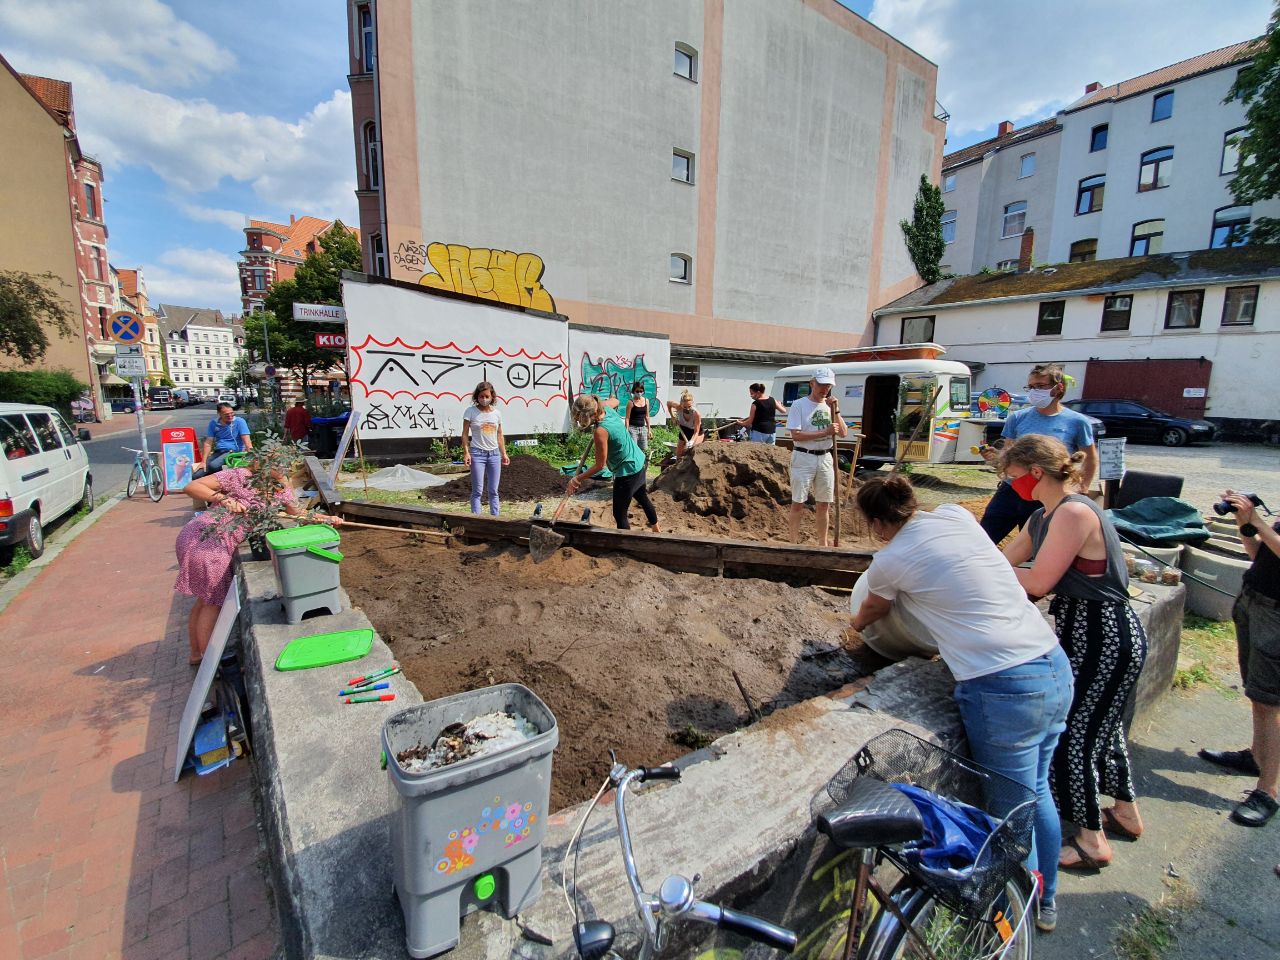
[376,675]
[378,699]
[364,684]
[376,686]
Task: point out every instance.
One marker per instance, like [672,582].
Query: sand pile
[526,478]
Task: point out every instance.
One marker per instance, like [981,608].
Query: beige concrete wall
[37,229]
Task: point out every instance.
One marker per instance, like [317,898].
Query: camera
[1223,507]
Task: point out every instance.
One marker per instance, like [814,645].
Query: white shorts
[810,473]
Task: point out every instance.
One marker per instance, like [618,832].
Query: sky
[203,113]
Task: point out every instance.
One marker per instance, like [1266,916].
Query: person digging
[814,422]
[615,449]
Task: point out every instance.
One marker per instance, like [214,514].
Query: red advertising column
[179,455]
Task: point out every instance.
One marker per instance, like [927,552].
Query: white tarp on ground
[398,477]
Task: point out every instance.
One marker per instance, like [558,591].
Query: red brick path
[102,855]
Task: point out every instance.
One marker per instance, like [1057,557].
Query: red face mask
[1024,485]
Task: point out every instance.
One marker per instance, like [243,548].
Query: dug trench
[629,656]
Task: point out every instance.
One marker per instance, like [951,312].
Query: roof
[1126,273]
[174,318]
[979,150]
[128,282]
[1204,63]
[298,234]
[684,351]
[55,95]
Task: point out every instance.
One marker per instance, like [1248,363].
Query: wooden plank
[328,495]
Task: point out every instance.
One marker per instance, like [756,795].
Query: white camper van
[892,401]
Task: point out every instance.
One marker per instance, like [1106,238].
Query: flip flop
[1085,862]
[1111,824]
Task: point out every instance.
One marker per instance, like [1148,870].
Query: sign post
[127,329]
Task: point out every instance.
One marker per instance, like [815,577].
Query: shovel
[543,541]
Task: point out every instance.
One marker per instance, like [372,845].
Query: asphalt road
[111,463]
[1208,469]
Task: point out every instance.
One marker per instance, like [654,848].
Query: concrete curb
[10,591]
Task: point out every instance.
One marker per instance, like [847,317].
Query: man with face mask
[1046,415]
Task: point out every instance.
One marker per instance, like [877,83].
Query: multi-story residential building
[273,252]
[762,151]
[1139,167]
[51,208]
[133,293]
[200,345]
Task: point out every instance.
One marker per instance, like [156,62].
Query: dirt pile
[526,478]
[626,654]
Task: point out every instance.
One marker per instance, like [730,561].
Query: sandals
[1086,862]
[1111,824]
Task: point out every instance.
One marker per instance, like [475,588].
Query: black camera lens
[1223,507]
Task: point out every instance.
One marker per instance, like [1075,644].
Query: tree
[1258,171]
[923,232]
[240,375]
[29,303]
[317,280]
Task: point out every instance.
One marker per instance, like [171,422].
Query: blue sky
[205,111]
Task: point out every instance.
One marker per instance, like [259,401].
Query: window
[1230,227]
[255,241]
[16,438]
[1082,251]
[370,160]
[959,393]
[379,255]
[686,62]
[259,278]
[1050,322]
[99,265]
[1162,106]
[680,272]
[1239,306]
[1089,194]
[685,375]
[1028,165]
[1098,138]
[1015,219]
[1116,311]
[1147,239]
[682,166]
[45,431]
[1007,266]
[1157,165]
[1183,310]
[102,324]
[91,201]
[917,329]
[949,227]
[366,38]
[1231,150]
[948,183]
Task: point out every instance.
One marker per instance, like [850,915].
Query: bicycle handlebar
[658,773]
[761,931]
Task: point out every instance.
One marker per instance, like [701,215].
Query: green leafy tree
[240,375]
[30,303]
[317,280]
[923,232]
[1258,173]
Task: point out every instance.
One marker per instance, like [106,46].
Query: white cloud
[195,278]
[231,219]
[1014,60]
[140,37]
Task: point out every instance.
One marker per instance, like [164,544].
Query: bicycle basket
[897,756]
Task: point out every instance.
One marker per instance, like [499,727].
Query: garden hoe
[544,541]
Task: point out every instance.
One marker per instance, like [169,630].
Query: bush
[49,388]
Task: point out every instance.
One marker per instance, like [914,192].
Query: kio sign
[331,341]
[319,313]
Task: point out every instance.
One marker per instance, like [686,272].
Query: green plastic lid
[485,886]
[325,649]
[234,459]
[299,538]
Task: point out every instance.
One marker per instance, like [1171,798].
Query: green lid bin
[305,560]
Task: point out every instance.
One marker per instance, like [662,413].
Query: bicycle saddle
[873,814]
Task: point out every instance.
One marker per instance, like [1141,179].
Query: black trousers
[1006,511]
[626,489]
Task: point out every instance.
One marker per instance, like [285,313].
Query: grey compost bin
[467,836]
[306,561]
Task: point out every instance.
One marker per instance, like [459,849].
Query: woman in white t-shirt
[1013,682]
[484,448]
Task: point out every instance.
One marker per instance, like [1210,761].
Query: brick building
[273,252]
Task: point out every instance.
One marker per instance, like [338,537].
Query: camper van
[909,405]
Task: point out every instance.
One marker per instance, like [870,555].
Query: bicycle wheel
[1004,933]
[131,487]
[155,484]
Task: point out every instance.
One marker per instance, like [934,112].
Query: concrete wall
[722,391]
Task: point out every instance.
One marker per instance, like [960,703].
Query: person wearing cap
[814,422]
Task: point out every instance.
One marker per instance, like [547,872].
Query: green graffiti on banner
[606,377]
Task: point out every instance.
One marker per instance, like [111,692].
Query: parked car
[123,405]
[230,398]
[1140,423]
[44,473]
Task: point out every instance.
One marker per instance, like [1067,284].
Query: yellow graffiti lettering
[501,275]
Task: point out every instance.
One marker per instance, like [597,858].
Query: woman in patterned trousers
[1079,560]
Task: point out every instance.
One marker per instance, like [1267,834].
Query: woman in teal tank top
[615,448]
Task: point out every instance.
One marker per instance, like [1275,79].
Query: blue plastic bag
[954,832]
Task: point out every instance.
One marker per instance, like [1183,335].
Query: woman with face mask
[1013,682]
[1077,557]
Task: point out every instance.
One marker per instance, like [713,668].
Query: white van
[886,400]
[44,473]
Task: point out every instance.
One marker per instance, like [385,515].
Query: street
[108,459]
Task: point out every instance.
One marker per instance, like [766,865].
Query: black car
[1127,418]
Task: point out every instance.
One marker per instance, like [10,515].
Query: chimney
[292,219]
[1006,128]
[1091,87]
[1024,254]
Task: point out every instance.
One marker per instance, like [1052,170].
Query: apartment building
[273,252]
[200,345]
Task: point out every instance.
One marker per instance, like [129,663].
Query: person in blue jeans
[484,447]
[1013,681]
[1046,386]
[225,434]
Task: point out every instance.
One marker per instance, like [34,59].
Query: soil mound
[527,478]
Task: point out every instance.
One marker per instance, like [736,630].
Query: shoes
[1047,917]
[1238,761]
[1112,825]
[1255,809]
[1085,861]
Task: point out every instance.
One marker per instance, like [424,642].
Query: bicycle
[675,899]
[146,473]
[981,911]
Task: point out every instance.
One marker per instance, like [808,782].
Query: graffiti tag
[410,254]
[398,417]
[500,275]
[429,371]
[612,377]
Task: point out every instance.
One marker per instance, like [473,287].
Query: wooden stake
[364,478]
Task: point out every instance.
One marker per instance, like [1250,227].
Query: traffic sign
[128,350]
[125,326]
[331,341]
[131,366]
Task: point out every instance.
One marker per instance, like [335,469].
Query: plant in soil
[268,462]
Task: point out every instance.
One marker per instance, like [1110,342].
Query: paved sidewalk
[124,422]
[101,854]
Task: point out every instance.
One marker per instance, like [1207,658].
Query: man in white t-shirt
[814,422]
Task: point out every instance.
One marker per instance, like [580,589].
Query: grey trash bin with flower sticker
[467,836]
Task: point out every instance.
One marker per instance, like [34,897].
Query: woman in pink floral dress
[205,561]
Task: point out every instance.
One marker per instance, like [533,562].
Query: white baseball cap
[824,375]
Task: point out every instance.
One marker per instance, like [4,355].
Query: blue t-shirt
[1071,428]
[226,436]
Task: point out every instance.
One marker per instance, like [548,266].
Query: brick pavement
[101,855]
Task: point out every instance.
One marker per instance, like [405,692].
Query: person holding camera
[1257,619]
